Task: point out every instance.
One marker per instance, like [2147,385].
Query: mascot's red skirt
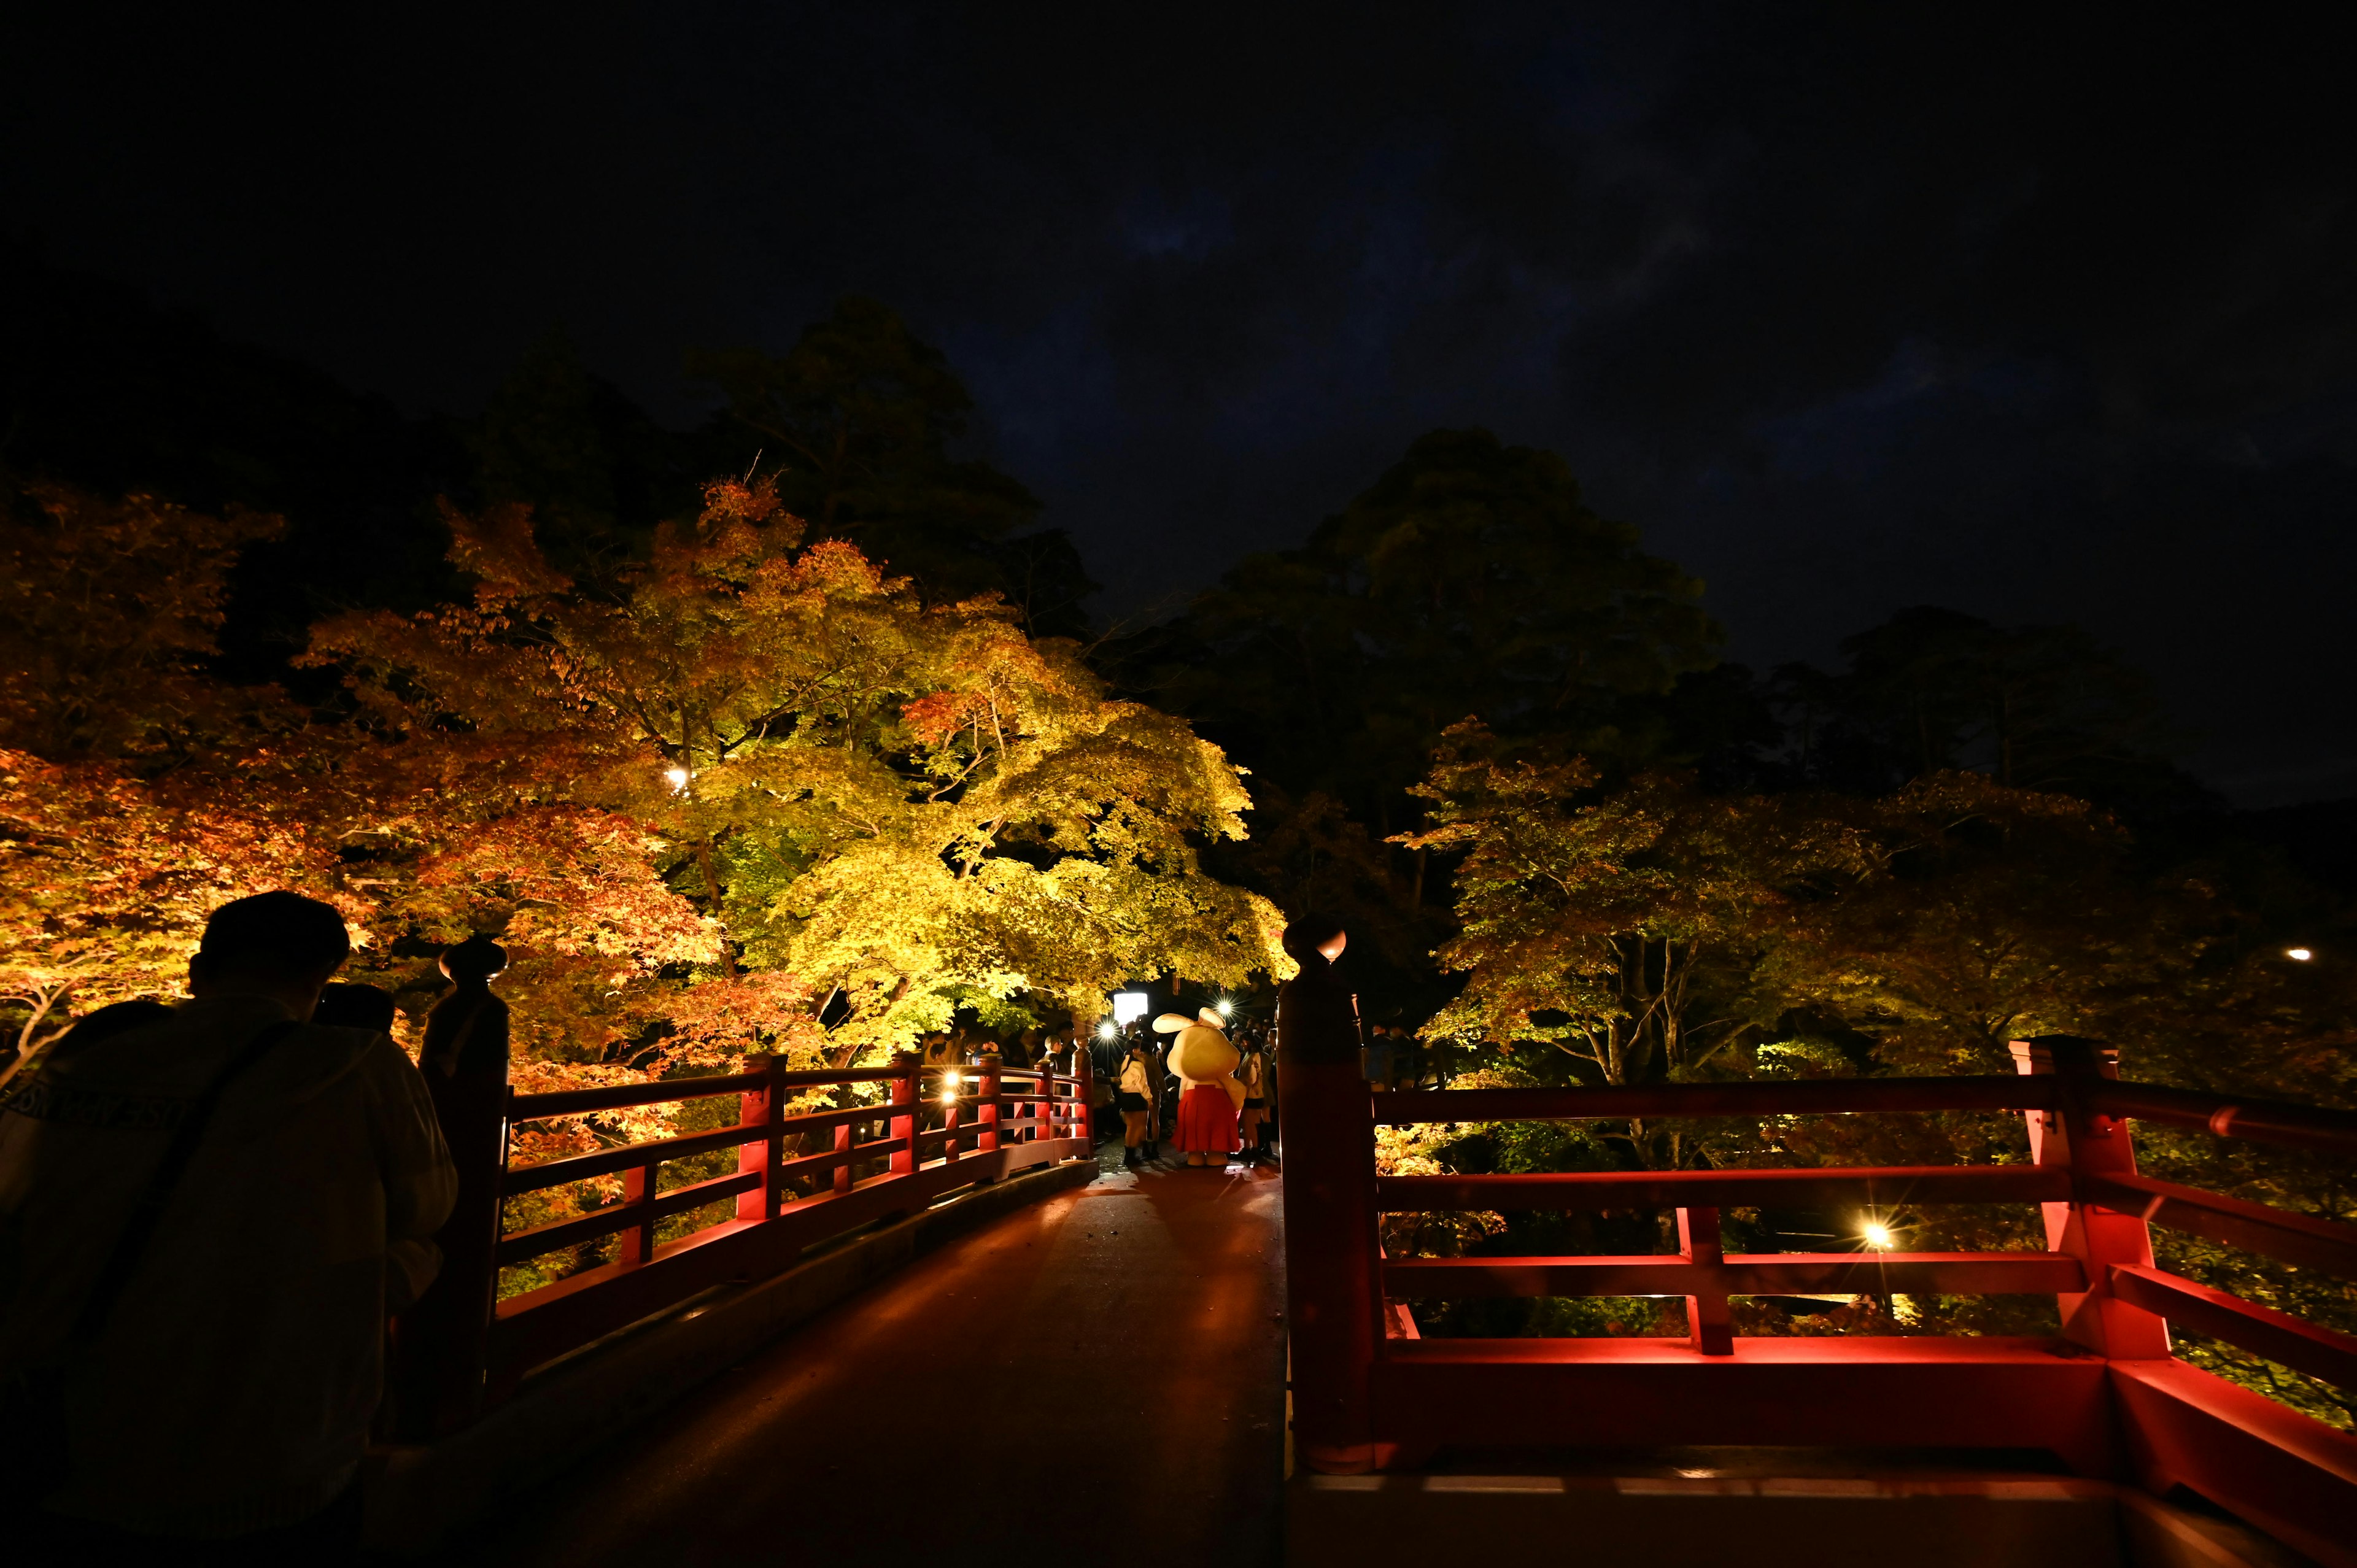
[1207,1121]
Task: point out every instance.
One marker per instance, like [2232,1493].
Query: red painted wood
[2264,1121]
[2274,1468]
[2090,1145]
[1709,1327]
[1760,1098]
[1332,1285]
[764,1106]
[639,1230]
[2262,1330]
[1863,1391]
[986,1110]
[1887,1186]
[606,1162]
[2271,1232]
[622,1096]
[908,1066]
[522,1246]
[539,1326]
[625,1096]
[1741,1273]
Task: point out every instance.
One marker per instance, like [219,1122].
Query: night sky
[1848,311]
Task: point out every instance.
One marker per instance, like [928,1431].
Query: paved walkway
[1101,1373]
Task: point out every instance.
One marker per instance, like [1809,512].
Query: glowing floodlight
[1879,1237]
[1128,1006]
[1107,1030]
[676,777]
[2299,955]
[1225,1007]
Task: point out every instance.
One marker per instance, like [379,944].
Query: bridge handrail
[1354,1334]
[798,1184]
[2233,1116]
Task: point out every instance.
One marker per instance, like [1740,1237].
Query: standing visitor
[1407,1058]
[1253,1124]
[204,1220]
[1377,1056]
[1135,1101]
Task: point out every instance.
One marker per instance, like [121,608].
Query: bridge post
[2085,1140]
[1083,1108]
[985,1103]
[767,1107]
[908,1064]
[1331,1283]
[1710,1328]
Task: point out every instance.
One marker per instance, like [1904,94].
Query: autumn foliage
[747,792]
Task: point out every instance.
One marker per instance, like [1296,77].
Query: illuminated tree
[905,809]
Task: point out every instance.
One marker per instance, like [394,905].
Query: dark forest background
[1330,671]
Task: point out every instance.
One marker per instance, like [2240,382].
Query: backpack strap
[148,1213]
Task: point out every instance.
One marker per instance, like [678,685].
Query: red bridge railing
[2107,1396]
[802,1179]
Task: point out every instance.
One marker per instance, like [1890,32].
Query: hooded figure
[1208,1096]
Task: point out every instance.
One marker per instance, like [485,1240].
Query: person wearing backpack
[205,1213]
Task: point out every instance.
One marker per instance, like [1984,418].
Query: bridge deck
[1103,1371]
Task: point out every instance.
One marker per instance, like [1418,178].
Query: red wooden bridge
[1105,1370]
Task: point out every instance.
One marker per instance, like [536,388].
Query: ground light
[1225,1007]
[1877,1236]
[2300,955]
[676,777]
[1107,1030]
[950,1080]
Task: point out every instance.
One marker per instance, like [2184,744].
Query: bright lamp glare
[1225,1007]
[952,1079]
[2300,955]
[1877,1236]
[1105,1031]
[949,1097]
[676,777]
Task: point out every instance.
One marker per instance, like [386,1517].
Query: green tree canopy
[1471,581]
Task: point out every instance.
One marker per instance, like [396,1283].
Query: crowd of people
[1140,1094]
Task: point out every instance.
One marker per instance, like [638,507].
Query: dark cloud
[2041,314]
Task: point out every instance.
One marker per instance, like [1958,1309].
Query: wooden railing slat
[518,1246]
[1881,1185]
[1739,1273]
[1773,1097]
[2229,1116]
[2253,1226]
[2305,1347]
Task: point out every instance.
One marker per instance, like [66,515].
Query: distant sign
[1129,1005]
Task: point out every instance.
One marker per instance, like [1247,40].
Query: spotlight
[676,777]
[1225,1007]
[1877,1236]
[1107,1031]
[2298,955]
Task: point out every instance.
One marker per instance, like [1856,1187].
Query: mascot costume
[1209,1095]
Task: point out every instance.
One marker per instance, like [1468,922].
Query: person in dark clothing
[214,1283]
[355,1007]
